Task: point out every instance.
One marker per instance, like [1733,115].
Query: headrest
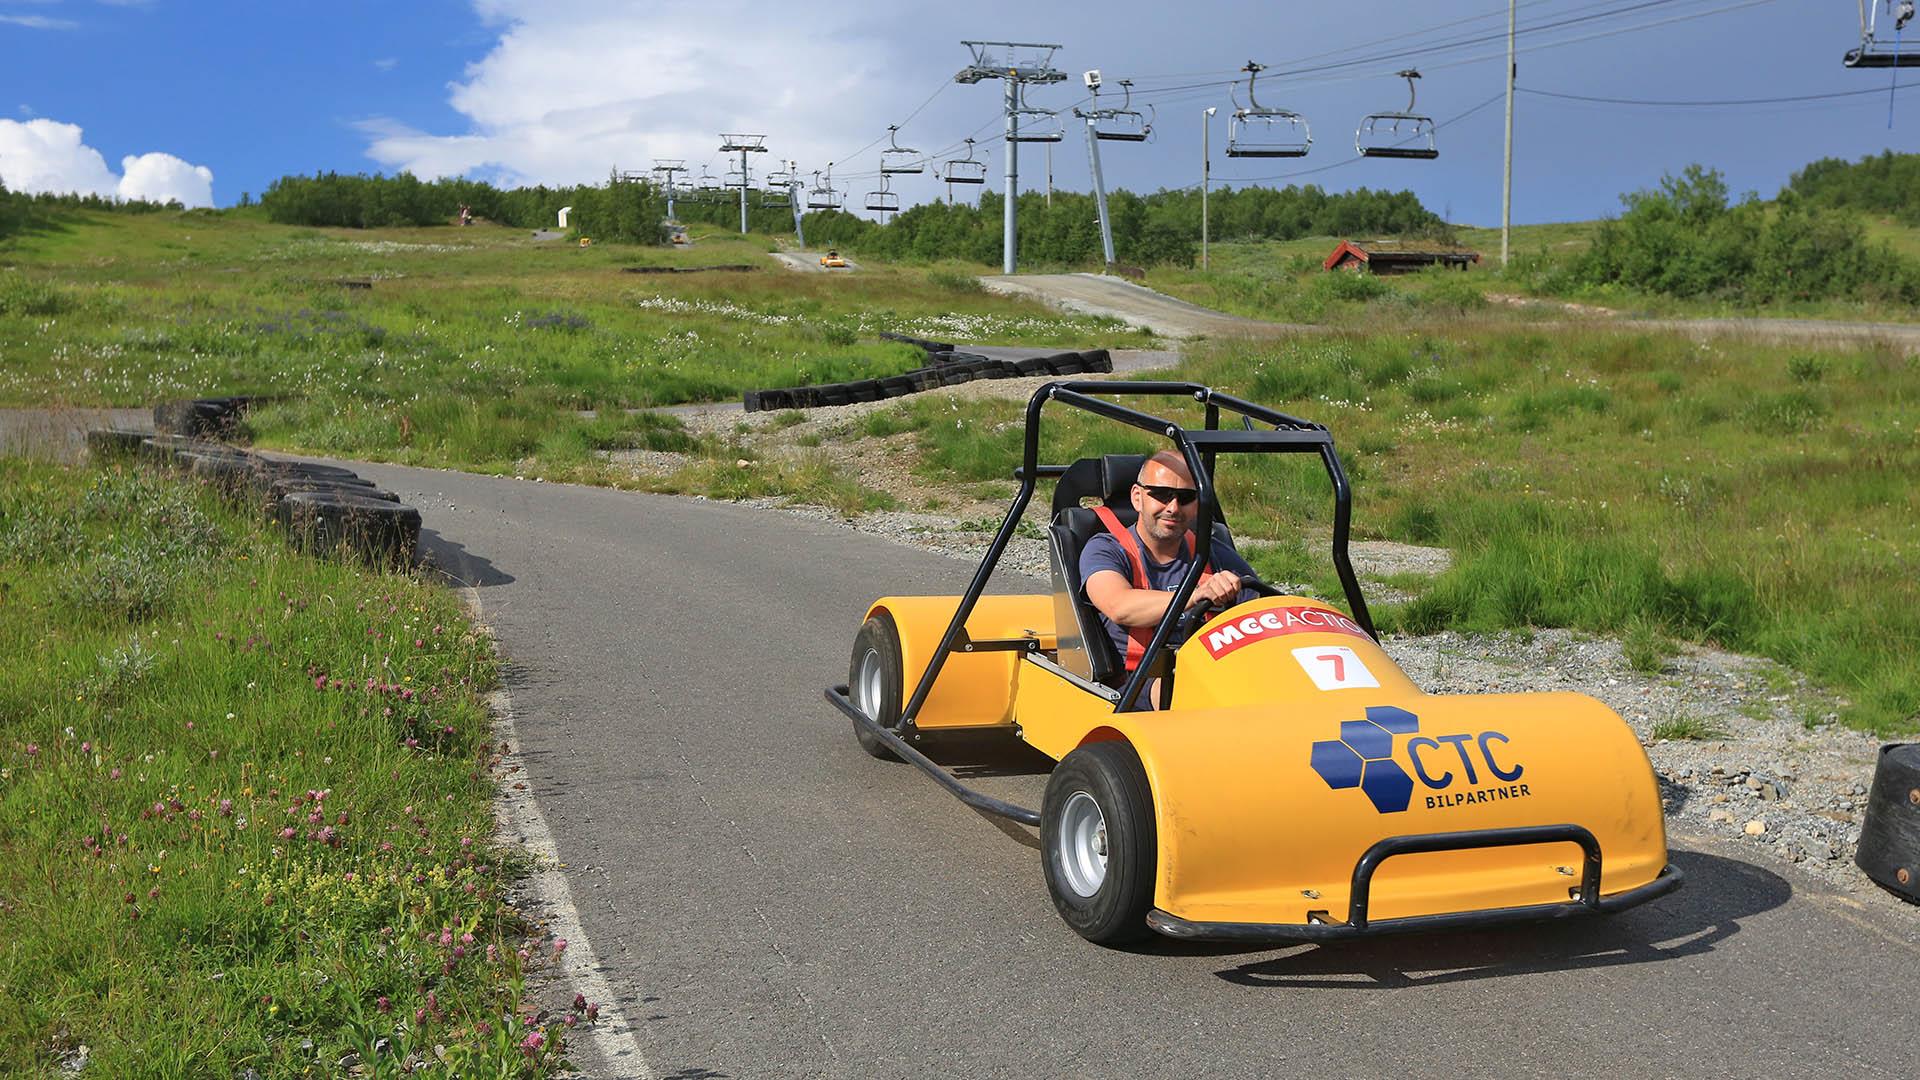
[1108,479]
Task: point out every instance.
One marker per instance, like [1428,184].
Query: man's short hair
[1172,459]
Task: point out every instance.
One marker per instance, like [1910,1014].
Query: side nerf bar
[978,800]
[1587,901]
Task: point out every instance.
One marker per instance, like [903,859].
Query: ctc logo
[1415,747]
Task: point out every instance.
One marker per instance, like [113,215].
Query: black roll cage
[1200,447]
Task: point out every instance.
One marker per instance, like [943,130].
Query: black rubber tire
[380,532]
[1097,361]
[894,386]
[925,378]
[161,448]
[231,473]
[767,400]
[112,444]
[1889,847]
[1110,772]
[202,416]
[864,390]
[955,374]
[880,637]
[1068,364]
[1034,365]
[834,394]
[282,487]
[270,467]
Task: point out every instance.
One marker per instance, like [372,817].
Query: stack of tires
[322,508]
[946,366]
[212,417]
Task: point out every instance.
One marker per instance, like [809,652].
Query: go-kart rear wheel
[874,681]
[1097,843]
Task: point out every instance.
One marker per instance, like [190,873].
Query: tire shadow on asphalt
[457,565]
[1697,919]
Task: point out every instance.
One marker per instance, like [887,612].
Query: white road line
[517,814]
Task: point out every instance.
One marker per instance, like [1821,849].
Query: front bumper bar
[1587,901]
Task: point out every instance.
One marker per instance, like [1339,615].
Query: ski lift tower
[1019,64]
[664,168]
[743,145]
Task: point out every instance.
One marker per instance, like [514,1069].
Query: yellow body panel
[1294,744]
[974,689]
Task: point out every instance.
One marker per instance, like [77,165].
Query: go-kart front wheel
[874,681]
[1097,842]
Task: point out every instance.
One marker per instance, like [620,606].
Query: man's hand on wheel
[1218,591]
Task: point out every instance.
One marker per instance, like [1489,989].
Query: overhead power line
[1711,104]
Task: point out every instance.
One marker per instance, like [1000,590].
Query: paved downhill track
[770,902]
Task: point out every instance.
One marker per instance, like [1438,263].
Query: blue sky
[208,100]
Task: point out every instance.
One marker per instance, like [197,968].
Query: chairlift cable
[1720,103]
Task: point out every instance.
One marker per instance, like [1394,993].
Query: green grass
[472,348]
[1680,727]
[1635,484]
[243,795]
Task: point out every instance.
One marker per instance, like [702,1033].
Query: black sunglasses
[1164,495]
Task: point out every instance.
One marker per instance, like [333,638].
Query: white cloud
[573,89]
[46,155]
[165,178]
[387,63]
[39,22]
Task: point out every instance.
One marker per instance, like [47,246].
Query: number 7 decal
[1334,667]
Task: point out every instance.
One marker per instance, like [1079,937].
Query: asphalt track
[767,901]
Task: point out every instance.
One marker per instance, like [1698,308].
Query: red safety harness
[1138,637]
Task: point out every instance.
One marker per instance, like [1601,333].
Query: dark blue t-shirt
[1104,552]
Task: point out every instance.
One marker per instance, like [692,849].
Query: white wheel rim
[1081,844]
[867,688]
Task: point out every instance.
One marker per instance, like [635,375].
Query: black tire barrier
[232,474]
[112,444]
[161,449]
[728,268]
[267,467]
[378,531]
[201,416]
[949,367]
[930,346]
[1889,849]
[279,487]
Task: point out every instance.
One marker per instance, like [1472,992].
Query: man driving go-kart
[1130,571]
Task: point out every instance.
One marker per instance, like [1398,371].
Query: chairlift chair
[897,159]
[737,179]
[1405,135]
[1037,125]
[1124,124]
[1256,131]
[776,190]
[966,170]
[707,188]
[823,196]
[1875,53]
[883,201]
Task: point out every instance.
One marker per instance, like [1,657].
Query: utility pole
[1506,185]
[743,145]
[1018,63]
[1049,147]
[666,168]
[794,198]
[1206,176]
[1099,192]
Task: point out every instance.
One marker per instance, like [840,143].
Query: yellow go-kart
[833,260]
[1293,785]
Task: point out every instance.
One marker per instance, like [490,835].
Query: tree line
[1888,183]
[21,211]
[1162,227]
[1687,239]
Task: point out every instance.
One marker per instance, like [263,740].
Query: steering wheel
[1192,619]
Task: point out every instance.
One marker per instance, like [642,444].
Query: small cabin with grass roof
[1391,257]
